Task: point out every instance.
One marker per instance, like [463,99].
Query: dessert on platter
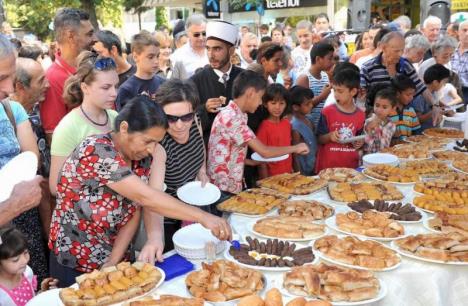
[293,183]
[256,201]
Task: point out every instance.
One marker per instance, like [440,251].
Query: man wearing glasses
[192,55]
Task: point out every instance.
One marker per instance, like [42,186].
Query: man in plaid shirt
[459,60]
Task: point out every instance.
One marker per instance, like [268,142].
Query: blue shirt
[135,86]
[306,162]
[9,145]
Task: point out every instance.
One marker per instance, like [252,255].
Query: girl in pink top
[17,281]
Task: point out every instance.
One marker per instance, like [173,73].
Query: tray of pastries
[350,192]
[167,300]
[369,224]
[427,167]
[341,175]
[286,227]
[448,155]
[444,133]
[447,248]
[454,185]
[333,283]
[293,183]
[392,174]
[445,223]
[253,202]
[442,203]
[303,208]
[224,281]
[274,297]
[410,151]
[461,165]
[353,252]
[405,213]
[113,284]
[270,255]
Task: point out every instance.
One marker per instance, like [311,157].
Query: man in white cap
[214,82]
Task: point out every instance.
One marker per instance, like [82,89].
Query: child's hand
[373,124]
[325,91]
[49,283]
[358,144]
[301,148]
[335,136]
[212,105]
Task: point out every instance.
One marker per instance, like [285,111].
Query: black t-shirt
[127,74]
[135,86]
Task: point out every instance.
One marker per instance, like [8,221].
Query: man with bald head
[390,63]
[248,43]
[459,59]
[431,29]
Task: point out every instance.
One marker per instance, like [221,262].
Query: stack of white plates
[380,159]
[189,241]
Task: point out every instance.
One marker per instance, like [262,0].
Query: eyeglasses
[184,118]
[197,34]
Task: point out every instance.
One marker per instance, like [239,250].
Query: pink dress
[22,294]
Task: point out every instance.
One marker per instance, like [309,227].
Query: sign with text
[275,5]
[212,9]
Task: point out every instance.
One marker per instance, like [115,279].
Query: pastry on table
[341,175]
[428,167]
[273,297]
[443,247]
[272,253]
[349,192]
[392,174]
[302,208]
[452,187]
[168,300]
[354,251]
[444,133]
[412,151]
[293,183]
[446,223]
[256,201]
[397,211]
[289,227]
[449,155]
[223,281]
[370,224]
[332,283]
[112,284]
[461,164]
[443,203]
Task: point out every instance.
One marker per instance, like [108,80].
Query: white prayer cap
[222,30]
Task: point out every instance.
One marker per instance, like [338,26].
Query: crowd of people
[113,127]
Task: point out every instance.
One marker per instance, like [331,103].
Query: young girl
[17,282]
[303,129]
[379,128]
[275,130]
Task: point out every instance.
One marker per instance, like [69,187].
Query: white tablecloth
[414,283]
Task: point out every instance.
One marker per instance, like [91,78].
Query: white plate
[22,167]
[193,193]
[380,159]
[390,182]
[426,226]
[262,268]
[194,237]
[258,157]
[331,223]
[394,246]
[272,212]
[339,263]
[382,293]
[251,229]
[49,298]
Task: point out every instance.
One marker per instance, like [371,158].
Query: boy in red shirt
[339,122]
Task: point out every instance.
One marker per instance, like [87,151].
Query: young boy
[303,129]
[339,122]
[379,128]
[145,51]
[230,135]
[435,78]
[316,78]
[404,116]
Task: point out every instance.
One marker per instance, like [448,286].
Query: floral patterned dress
[89,214]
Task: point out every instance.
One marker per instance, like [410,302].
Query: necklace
[92,121]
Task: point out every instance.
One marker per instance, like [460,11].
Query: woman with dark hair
[101,188]
[180,156]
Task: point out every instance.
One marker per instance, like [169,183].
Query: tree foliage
[136,7]
[161,16]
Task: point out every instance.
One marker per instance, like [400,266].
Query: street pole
[2,12]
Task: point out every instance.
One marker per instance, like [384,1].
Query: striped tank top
[317,86]
[183,161]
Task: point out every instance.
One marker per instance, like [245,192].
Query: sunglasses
[198,34]
[104,64]
[184,118]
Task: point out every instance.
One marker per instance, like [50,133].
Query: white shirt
[301,59]
[243,62]
[220,74]
[190,60]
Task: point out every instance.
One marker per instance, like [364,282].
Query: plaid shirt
[380,137]
[459,64]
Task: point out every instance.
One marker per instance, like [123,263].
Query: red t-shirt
[53,108]
[334,154]
[277,135]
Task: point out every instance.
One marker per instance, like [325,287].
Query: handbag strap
[6,105]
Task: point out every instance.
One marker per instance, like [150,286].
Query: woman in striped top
[180,156]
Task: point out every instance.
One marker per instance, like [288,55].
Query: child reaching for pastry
[379,128]
[17,281]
